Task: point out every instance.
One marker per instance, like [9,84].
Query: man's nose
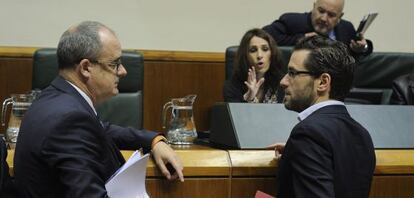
[121,71]
[284,82]
[324,17]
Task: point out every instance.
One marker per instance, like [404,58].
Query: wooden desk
[239,173]
[207,172]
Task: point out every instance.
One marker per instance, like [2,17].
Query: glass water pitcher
[181,129]
[19,104]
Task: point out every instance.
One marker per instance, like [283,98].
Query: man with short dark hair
[328,154]
[324,19]
[63,149]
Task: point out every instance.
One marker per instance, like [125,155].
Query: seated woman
[257,70]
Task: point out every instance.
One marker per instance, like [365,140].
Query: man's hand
[310,34]
[279,148]
[358,46]
[163,156]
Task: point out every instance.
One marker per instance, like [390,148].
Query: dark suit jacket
[64,150]
[328,154]
[403,90]
[290,27]
[6,184]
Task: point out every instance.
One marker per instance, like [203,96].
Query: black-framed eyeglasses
[113,64]
[293,73]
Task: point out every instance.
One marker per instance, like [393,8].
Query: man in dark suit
[324,19]
[6,184]
[63,149]
[328,154]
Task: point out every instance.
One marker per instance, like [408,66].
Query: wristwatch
[366,47]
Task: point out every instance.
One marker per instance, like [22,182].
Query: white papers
[129,180]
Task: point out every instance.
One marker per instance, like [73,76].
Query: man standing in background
[325,19]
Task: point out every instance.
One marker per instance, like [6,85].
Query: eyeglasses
[293,73]
[113,64]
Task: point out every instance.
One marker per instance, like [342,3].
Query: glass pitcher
[181,128]
[19,105]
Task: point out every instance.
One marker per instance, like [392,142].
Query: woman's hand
[253,85]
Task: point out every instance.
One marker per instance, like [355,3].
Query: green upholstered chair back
[125,109]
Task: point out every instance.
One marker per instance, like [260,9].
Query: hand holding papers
[364,24]
[129,180]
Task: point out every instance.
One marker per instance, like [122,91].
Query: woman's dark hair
[242,65]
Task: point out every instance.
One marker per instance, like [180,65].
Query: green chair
[125,109]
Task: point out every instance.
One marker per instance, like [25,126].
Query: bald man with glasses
[325,19]
[63,149]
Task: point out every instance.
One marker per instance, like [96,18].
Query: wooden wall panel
[395,186]
[247,187]
[165,80]
[15,77]
[167,74]
[192,187]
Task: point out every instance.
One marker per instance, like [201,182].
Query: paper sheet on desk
[129,180]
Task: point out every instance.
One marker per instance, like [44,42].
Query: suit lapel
[343,34]
[309,19]
[61,84]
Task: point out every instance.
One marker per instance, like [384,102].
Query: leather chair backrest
[125,109]
[378,70]
[231,52]
[230,56]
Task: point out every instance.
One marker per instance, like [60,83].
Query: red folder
[260,194]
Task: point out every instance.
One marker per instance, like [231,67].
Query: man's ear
[324,82]
[84,68]
[340,17]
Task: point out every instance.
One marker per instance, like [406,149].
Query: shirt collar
[305,113]
[332,35]
[86,97]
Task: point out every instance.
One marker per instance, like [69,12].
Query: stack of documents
[129,180]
